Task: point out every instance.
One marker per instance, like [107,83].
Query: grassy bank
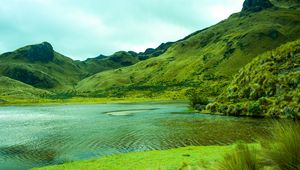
[5,101]
[200,156]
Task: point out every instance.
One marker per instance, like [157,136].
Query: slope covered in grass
[10,88]
[40,66]
[205,60]
[269,85]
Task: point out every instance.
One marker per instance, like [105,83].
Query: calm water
[32,136]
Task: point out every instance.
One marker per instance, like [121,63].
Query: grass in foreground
[184,158]
[284,148]
[242,158]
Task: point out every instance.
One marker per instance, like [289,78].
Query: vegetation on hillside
[13,88]
[40,66]
[204,61]
[268,86]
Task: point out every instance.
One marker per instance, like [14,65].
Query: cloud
[86,28]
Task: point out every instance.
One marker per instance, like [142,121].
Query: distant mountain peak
[42,52]
[256,5]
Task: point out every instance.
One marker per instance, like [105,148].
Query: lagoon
[33,136]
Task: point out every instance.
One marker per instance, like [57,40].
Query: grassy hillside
[205,60]
[40,66]
[10,88]
[269,85]
[292,4]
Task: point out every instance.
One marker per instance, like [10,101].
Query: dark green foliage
[255,108]
[268,86]
[291,112]
[197,100]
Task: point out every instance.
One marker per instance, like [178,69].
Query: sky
[83,29]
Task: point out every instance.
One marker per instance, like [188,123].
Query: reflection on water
[42,135]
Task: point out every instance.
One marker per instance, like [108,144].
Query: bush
[254,108]
[197,99]
[243,158]
[213,107]
[290,112]
[222,108]
[234,110]
[285,148]
[274,112]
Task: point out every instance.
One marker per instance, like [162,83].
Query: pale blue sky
[87,28]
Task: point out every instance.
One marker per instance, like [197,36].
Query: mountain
[121,59]
[267,86]
[205,60]
[41,67]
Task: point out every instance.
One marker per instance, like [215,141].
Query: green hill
[12,88]
[40,66]
[205,60]
[269,85]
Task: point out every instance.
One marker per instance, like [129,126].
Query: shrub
[285,148]
[222,108]
[234,110]
[242,158]
[197,99]
[274,112]
[290,112]
[254,108]
[213,107]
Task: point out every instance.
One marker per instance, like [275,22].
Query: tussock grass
[284,148]
[242,158]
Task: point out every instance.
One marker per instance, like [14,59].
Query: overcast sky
[86,28]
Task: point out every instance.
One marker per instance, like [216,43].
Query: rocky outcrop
[37,53]
[256,5]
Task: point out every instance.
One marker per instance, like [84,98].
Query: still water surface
[32,136]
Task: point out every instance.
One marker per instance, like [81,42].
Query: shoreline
[33,102]
[195,157]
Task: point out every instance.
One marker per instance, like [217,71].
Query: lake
[32,136]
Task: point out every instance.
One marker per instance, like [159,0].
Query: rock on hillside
[256,5]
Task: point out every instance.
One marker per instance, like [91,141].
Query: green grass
[267,86]
[206,60]
[242,158]
[8,100]
[201,156]
[10,88]
[284,148]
